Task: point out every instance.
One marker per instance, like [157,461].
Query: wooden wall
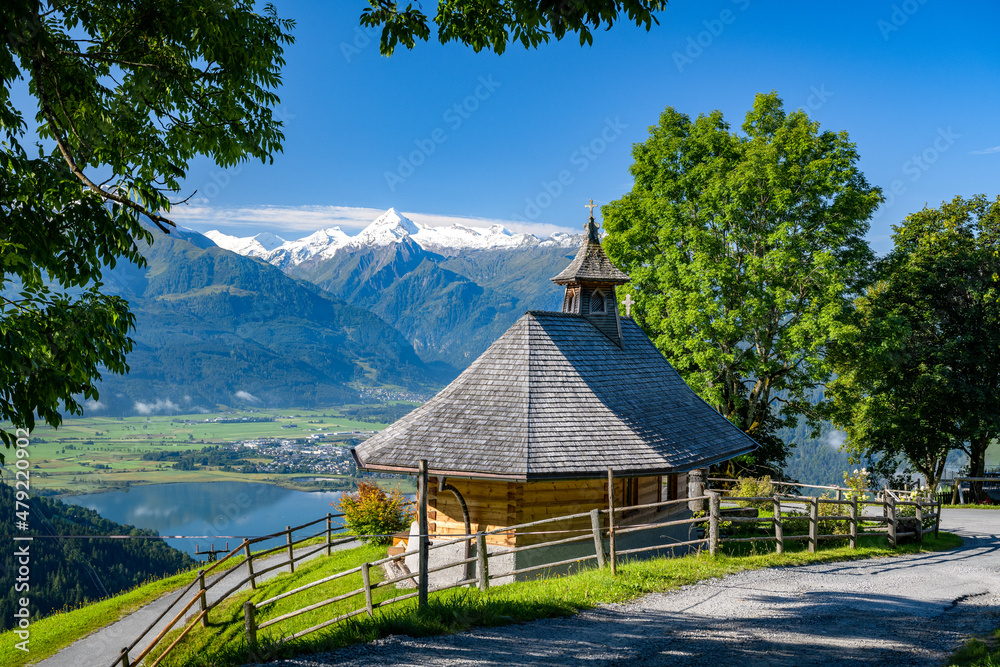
[496,504]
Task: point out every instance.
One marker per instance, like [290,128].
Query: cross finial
[591,206]
[628,305]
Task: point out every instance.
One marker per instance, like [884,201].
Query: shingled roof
[591,264]
[555,398]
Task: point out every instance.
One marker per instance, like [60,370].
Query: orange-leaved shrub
[374,515]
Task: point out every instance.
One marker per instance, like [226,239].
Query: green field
[66,459]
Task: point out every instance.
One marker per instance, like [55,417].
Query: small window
[597,302]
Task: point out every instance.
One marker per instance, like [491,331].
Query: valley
[280,447]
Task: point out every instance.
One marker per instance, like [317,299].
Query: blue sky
[449,134]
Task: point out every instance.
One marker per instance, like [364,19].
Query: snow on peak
[389,228]
[269,241]
[252,246]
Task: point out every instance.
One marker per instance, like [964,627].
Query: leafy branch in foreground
[125,95]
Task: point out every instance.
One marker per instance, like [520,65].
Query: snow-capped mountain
[389,228]
[252,246]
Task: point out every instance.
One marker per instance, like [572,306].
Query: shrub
[752,487]
[374,515]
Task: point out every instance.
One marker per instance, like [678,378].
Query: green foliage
[919,369]
[131,92]
[742,251]
[753,487]
[491,24]
[374,515]
[78,571]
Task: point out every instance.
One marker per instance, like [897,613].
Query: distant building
[529,430]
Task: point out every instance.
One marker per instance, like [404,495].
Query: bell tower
[590,281]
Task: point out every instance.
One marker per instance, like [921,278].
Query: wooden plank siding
[496,504]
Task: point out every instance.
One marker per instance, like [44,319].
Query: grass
[52,633]
[982,652]
[223,642]
[971,507]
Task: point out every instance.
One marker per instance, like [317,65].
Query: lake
[211,511]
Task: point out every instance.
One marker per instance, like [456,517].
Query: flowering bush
[373,515]
[858,484]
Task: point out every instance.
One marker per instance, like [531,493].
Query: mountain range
[401,307]
[451,291]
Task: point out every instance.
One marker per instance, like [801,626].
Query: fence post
[124,658]
[937,518]
[424,539]
[713,521]
[367,580]
[813,524]
[201,598]
[840,496]
[246,548]
[291,557]
[696,489]
[482,562]
[779,529]
[611,522]
[329,532]
[890,507]
[595,525]
[854,523]
[920,521]
[251,628]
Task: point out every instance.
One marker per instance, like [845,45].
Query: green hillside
[71,571]
[450,309]
[212,326]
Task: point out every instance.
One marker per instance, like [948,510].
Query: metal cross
[628,305]
[591,206]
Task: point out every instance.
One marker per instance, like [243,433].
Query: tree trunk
[977,464]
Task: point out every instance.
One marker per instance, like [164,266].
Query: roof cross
[628,305]
[591,206]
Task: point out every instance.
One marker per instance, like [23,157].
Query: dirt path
[911,610]
[101,648]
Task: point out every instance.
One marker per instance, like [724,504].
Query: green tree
[919,372]
[124,94]
[491,24]
[742,251]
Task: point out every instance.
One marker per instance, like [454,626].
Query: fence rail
[184,604]
[790,516]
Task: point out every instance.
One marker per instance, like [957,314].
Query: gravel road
[910,610]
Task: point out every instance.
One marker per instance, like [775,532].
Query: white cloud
[835,439]
[247,396]
[986,151]
[287,221]
[91,405]
[157,407]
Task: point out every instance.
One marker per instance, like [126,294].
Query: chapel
[529,430]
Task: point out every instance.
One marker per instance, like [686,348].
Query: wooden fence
[715,527]
[200,588]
